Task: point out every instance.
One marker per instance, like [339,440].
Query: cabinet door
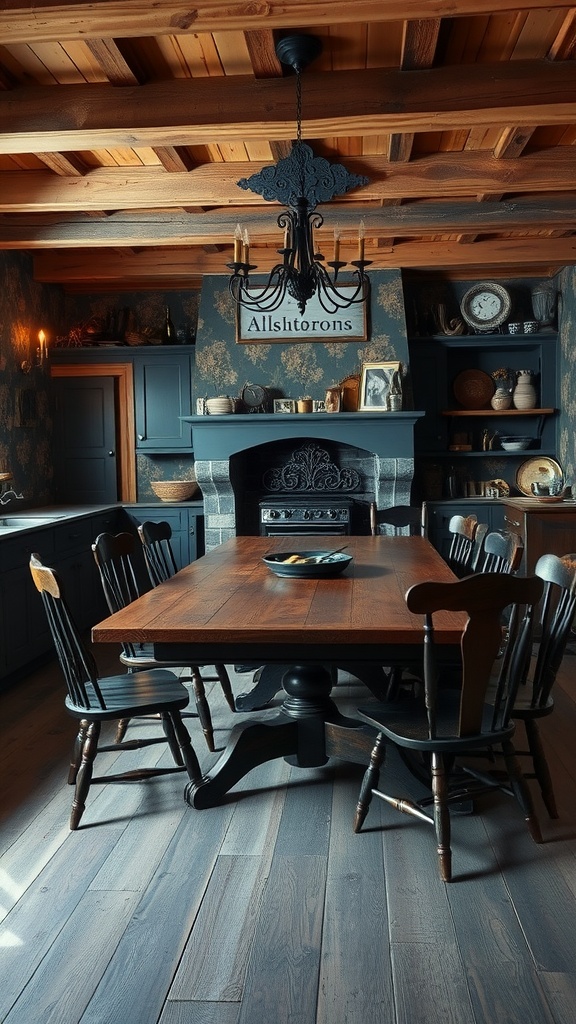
[25,626]
[163,394]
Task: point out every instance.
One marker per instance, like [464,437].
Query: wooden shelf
[498,412]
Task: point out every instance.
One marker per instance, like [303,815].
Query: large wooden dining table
[228,607]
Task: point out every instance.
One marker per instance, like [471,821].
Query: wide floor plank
[268,908]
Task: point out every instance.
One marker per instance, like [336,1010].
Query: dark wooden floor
[269,909]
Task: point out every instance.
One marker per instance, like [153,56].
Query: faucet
[7,496]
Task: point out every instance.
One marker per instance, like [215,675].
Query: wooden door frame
[125,429]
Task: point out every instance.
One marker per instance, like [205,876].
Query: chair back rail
[409,520]
[158,553]
[557,612]
[483,597]
[77,664]
[502,551]
[462,552]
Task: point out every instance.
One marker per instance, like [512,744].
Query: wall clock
[485,306]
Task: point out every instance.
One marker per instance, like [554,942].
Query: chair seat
[133,694]
[405,723]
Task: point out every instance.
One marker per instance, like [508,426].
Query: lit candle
[361,233]
[245,246]
[336,244]
[42,340]
[237,243]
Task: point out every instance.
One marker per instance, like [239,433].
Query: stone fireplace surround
[384,453]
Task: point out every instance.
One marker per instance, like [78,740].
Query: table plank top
[231,596]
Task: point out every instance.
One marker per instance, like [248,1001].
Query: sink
[24,522]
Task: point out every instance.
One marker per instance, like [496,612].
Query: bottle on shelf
[168,330]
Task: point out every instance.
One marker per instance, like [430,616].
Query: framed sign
[287,323]
[378,380]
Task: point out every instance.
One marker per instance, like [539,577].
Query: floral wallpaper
[25,412]
[292,369]
[222,366]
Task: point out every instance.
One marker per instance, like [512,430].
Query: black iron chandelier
[300,181]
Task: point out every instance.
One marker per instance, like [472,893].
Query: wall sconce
[40,361]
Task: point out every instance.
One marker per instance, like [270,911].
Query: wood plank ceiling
[125,126]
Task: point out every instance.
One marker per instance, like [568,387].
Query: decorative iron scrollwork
[311,469]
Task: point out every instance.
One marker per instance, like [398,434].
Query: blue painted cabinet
[162,389]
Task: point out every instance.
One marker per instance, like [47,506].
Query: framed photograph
[284,405]
[378,380]
[318,405]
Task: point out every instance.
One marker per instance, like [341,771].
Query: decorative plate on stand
[538,471]
[473,389]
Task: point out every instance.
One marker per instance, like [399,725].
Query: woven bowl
[174,490]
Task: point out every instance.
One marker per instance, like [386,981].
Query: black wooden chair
[534,697]
[94,699]
[115,556]
[410,520]
[446,722]
[156,539]
[467,537]
[501,552]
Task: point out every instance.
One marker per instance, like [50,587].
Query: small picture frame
[318,405]
[378,380]
[284,405]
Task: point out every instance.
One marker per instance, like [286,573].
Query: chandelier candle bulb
[245,246]
[237,244]
[336,245]
[361,233]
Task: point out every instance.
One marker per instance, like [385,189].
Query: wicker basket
[174,490]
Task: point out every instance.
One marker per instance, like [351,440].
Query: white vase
[524,395]
[220,406]
[501,399]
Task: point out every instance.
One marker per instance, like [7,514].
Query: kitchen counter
[15,520]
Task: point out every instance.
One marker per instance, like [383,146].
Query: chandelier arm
[267,298]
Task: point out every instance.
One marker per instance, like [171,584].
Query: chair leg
[84,776]
[521,790]
[202,707]
[541,769]
[121,727]
[224,679]
[77,752]
[168,727]
[441,815]
[370,781]
[187,752]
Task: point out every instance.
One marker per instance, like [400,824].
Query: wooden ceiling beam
[97,265]
[26,21]
[217,226]
[338,103]
[440,175]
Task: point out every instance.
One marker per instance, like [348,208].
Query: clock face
[486,306]
[253,395]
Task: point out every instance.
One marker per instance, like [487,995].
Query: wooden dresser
[544,528]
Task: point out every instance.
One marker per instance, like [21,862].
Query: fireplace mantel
[384,433]
[387,436]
